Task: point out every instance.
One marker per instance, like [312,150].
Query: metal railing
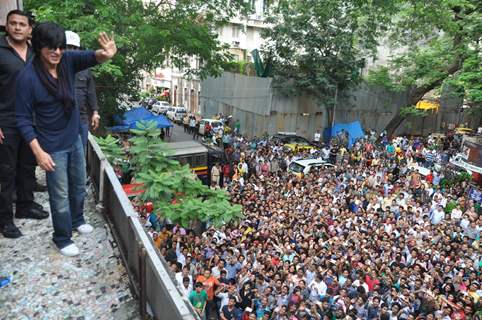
[152,281]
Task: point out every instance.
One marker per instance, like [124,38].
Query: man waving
[48,94]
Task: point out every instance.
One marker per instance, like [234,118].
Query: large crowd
[369,238]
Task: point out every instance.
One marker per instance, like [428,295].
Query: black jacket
[85,95]
[10,65]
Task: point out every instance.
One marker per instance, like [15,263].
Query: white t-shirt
[456,214]
[224,296]
[317,289]
[317,136]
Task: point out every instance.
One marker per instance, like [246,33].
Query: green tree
[174,190]
[148,35]
[320,46]
[438,43]
[111,148]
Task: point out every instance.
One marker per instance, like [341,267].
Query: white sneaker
[70,250]
[85,228]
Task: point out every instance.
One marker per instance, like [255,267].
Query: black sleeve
[91,94]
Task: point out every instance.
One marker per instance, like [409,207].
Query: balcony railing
[152,281]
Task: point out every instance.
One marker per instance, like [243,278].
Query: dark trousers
[84,134]
[17,172]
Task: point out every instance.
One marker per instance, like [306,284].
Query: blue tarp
[354,130]
[130,118]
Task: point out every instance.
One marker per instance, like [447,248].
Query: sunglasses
[54,48]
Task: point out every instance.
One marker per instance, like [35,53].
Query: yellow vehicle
[462,130]
[292,141]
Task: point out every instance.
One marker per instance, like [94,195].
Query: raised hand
[107,44]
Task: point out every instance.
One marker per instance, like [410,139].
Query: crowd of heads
[368,238]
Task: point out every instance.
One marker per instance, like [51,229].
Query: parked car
[171,112]
[292,141]
[303,166]
[160,107]
[180,113]
[216,125]
[148,103]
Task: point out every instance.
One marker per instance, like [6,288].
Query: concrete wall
[260,108]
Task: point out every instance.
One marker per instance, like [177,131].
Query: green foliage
[217,212]
[147,34]
[318,46]
[412,111]
[457,179]
[468,81]
[241,67]
[436,43]
[174,189]
[111,148]
[149,152]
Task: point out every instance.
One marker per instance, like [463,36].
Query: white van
[216,125]
[303,166]
[171,112]
[160,107]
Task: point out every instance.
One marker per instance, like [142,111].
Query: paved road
[178,135]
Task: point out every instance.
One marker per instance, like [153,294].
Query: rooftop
[93,285]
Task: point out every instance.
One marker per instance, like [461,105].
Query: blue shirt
[232,270]
[54,129]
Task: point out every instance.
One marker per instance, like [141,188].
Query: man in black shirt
[85,96]
[17,163]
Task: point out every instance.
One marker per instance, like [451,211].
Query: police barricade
[151,280]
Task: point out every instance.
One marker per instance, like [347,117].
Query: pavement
[178,134]
[47,285]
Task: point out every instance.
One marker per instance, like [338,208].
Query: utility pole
[334,106]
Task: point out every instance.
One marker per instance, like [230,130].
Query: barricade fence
[152,281]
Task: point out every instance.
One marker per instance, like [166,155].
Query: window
[265,5]
[200,161]
[253,4]
[183,160]
[236,30]
[250,33]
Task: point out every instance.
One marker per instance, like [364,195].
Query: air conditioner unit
[236,44]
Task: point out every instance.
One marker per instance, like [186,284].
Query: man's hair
[52,36]
[22,13]
[48,34]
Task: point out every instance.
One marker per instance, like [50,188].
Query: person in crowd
[198,299]
[371,237]
[85,95]
[45,88]
[17,162]
[216,175]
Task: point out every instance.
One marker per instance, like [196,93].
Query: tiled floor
[47,285]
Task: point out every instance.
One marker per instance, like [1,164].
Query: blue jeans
[84,133]
[66,187]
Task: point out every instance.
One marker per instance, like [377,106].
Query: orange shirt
[157,242]
[209,284]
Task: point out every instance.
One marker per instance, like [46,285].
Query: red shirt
[226,170]
[371,282]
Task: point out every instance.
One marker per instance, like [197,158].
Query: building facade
[242,34]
